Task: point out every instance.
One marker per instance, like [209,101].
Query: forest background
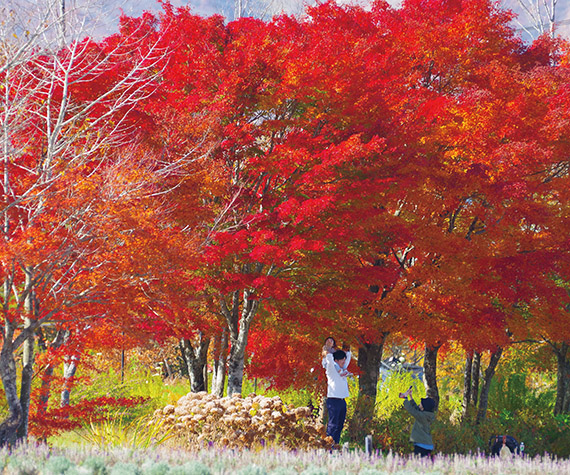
[236,191]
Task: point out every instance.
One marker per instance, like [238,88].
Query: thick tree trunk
[562,403]
[235,368]
[430,373]
[196,358]
[219,366]
[489,373]
[475,378]
[369,359]
[28,358]
[9,426]
[466,403]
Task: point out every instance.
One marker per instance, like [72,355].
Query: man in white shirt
[337,391]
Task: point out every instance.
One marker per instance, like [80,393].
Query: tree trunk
[430,373]
[466,403]
[28,358]
[8,373]
[489,373]
[562,379]
[239,331]
[566,403]
[235,368]
[475,378]
[323,416]
[47,376]
[369,359]
[196,359]
[167,369]
[69,369]
[219,366]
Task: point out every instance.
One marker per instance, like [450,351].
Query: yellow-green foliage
[390,425]
[387,400]
[140,433]
[199,419]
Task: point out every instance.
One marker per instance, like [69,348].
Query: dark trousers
[337,415]
[421,451]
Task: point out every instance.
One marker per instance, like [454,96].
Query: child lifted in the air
[330,347]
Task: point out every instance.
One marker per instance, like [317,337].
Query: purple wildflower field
[41,459]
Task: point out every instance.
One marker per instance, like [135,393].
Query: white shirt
[348,357]
[337,384]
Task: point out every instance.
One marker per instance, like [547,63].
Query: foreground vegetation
[519,405]
[90,460]
[125,443]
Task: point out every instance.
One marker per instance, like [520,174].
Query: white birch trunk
[238,324]
[69,370]
[219,366]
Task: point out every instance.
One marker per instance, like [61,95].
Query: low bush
[202,419]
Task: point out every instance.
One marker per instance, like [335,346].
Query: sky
[102,16]
[106,12]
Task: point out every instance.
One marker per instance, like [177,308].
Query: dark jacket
[421,431]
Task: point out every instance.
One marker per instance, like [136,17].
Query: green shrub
[155,468]
[252,470]
[21,466]
[125,469]
[190,468]
[511,393]
[283,471]
[361,420]
[315,471]
[57,464]
[95,465]
[548,434]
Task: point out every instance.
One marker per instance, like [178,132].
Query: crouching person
[423,417]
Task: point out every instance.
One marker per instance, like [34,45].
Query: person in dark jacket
[423,415]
